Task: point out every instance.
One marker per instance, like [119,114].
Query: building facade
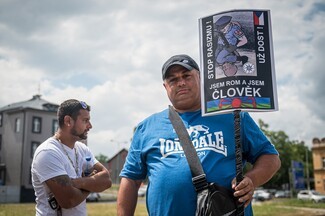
[23,127]
[318,150]
[115,165]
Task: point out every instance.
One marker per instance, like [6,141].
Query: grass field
[289,207]
[283,207]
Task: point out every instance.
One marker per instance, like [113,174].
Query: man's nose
[181,82]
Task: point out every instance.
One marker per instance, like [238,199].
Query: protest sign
[237,62]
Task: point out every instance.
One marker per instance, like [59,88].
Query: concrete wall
[12,148]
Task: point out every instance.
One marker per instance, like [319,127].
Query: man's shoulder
[48,146]
[156,116]
[80,145]
[154,120]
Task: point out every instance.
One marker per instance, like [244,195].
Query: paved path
[313,211]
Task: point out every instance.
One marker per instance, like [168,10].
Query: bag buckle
[200,182]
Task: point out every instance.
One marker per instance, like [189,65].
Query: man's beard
[82,136]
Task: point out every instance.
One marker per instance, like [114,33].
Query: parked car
[311,195]
[271,191]
[142,190]
[261,195]
[93,197]
[282,194]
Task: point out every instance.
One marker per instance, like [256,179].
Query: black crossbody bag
[212,199]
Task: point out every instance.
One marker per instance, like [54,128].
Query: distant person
[64,171]
[156,153]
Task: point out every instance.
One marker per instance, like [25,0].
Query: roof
[120,152]
[35,103]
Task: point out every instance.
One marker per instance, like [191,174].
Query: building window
[55,126]
[0,143]
[2,174]
[323,159]
[33,148]
[37,125]
[0,119]
[17,125]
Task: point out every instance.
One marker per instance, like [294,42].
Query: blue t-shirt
[156,153]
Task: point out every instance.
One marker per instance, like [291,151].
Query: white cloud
[110,55]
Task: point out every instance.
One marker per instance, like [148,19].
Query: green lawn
[288,207]
[94,209]
[280,207]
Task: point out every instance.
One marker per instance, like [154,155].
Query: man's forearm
[264,169]
[127,197]
[79,196]
[65,193]
[95,183]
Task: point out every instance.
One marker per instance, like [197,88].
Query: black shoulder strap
[190,152]
[198,175]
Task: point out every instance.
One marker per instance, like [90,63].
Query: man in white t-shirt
[64,171]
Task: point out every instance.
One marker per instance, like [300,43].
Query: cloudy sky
[110,53]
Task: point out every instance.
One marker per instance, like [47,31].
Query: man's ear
[67,120]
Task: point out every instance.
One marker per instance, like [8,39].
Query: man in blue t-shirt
[156,153]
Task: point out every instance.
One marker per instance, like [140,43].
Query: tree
[288,151]
[102,158]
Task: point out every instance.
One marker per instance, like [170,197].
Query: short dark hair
[71,108]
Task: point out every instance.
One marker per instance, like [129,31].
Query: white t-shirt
[50,160]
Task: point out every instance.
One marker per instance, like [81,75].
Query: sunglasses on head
[83,104]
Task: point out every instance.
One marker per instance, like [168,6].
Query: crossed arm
[71,192]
